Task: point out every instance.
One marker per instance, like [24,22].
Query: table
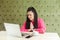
[46,36]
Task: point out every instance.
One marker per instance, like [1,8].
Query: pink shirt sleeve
[23,28]
[41,26]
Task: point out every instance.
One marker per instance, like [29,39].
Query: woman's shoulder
[40,19]
[24,22]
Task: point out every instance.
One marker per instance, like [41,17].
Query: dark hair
[35,18]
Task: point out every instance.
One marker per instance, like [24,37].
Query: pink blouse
[41,26]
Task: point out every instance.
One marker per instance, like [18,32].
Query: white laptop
[13,29]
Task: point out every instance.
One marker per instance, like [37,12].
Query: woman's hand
[35,29]
[31,27]
[29,30]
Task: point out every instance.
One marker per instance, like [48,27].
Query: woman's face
[30,15]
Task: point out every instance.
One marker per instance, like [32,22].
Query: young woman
[33,22]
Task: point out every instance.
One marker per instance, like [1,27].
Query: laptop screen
[12,29]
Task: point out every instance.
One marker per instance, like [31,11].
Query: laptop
[13,29]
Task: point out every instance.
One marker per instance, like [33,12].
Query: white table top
[46,36]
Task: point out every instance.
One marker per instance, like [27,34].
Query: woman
[33,22]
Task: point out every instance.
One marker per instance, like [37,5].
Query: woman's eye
[29,15]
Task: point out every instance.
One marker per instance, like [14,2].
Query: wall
[14,11]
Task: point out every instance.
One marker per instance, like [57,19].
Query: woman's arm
[41,26]
[23,28]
